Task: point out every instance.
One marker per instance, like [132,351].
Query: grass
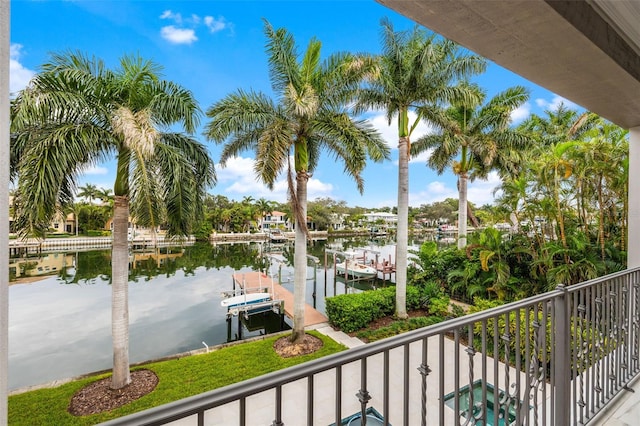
[178,378]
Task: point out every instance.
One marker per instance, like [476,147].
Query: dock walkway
[260,280]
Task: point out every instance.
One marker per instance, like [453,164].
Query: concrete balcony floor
[624,410]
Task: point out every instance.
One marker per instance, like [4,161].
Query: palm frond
[281,50]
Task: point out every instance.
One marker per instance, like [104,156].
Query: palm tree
[105,195]
[417,71]
[473,139]
[89,192]
[75,113]
[264,207]
[310,114]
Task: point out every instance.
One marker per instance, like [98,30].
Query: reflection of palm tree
[88,112]
[415,70]
[311,116]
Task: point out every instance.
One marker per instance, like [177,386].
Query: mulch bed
[98,397]
[286,349]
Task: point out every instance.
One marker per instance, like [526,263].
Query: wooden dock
[256,280]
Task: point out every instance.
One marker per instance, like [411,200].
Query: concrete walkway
[624,410]
[338,336]
[260,408]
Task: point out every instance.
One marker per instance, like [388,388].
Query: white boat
[245,300]
[277,236]
[357,270]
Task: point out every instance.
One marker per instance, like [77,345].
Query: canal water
[60,303]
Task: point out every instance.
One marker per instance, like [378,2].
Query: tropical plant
[75,113]
[416,72]
[472,139]
[310,114]
[89,192]
[105,195]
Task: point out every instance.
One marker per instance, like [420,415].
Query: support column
[4,210]
[633,238]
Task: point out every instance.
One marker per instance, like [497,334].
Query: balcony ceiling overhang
[587,51]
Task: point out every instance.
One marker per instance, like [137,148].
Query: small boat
[277,236]
[357,270]
[245,300]
[446,240]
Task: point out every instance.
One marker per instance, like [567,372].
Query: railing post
[562,360]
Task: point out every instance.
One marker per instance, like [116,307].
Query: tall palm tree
[75,113]
[557,133]
[417,71]
[473,139]
[105,195]
[88,192]
[310,114]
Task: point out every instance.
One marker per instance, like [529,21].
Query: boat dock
[366,257]
[251,280]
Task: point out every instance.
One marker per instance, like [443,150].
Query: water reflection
[60,303]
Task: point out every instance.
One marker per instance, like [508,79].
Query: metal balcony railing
[554,359]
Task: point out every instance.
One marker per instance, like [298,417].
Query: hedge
[351,312]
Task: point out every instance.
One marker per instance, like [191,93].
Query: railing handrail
[242,390]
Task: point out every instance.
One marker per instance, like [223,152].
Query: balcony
[565,357]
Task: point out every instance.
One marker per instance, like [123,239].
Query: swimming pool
[463,398]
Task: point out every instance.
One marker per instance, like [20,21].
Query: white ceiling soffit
[586,51]
[624,16]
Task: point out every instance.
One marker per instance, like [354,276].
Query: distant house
[389,219]
[338,221]
[60,224]
[275,220]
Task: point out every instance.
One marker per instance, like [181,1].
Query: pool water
[463,397]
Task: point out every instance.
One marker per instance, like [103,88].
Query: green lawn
[179,378]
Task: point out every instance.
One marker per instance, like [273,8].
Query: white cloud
[168,14]
[555,103]
[184,29]
[237,179]
[178,35]
[389,132]
[521,113]
[96,170]
[214,24]
[479,192]
[434,191]
[19,76]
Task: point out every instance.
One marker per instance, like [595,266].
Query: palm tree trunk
[462,211]
[119,293]
[300,260]
[402,236]
[472,217]
[601,208]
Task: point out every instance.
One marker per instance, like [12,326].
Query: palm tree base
[98,397]
[306,345]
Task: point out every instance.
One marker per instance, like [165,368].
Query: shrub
[398,327]
[351,312]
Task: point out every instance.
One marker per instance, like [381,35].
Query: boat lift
[385,267]
[244,312]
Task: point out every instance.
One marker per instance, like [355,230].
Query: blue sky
[215,47]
